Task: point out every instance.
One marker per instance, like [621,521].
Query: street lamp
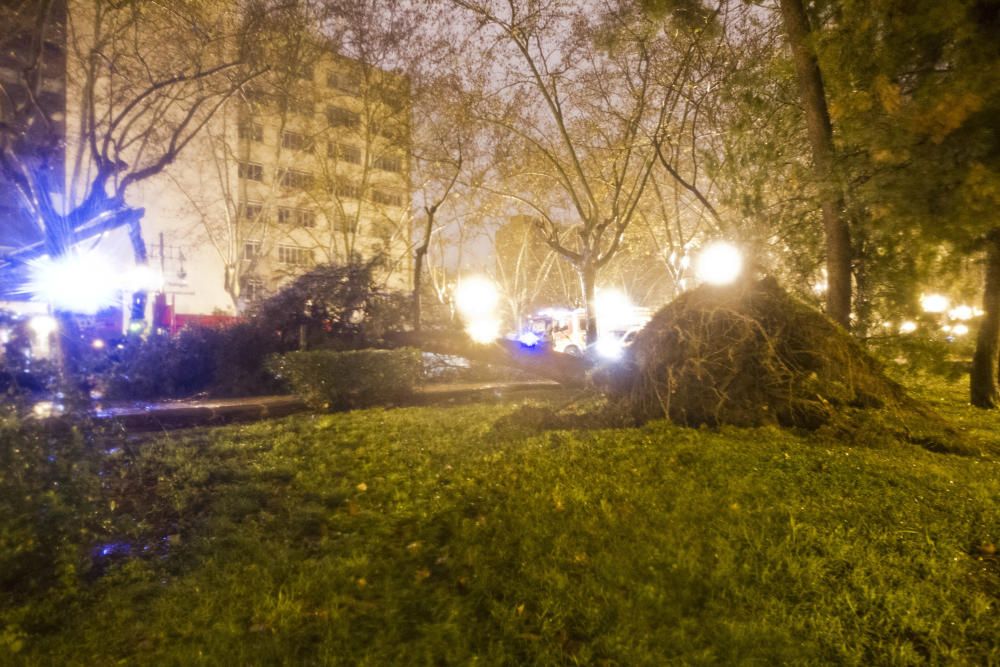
[719,263]
[476,299]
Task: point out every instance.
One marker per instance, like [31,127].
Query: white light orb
[959,330]
[934,303]
[43,325]
[79,282]
[609,348]
[909,326]
[961,313]
[719,263]
[612,306]
[476,297]
[485,330]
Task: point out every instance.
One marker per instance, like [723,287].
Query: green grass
[428,536]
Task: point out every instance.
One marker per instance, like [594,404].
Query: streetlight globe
[476,297]
[934,303]
[719,263]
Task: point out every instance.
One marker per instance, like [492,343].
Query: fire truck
[565,330]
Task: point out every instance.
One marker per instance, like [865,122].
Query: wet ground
[182,413]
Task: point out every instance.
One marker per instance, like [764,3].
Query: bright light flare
[43,325]
[80,282]
[485,330]
[962,313]
[529,339]
[719,263]
[612,307]
[476,297]
[959,330]
[934,303]
[909,326]
[609,348]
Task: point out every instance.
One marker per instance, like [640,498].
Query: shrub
[50,508]
[224,361]
[357,378]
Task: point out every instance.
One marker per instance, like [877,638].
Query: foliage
[422,536]
[50,511]
[327,379]
[21,377]
[225,361]
[335,305]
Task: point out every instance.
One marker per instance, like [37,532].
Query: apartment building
[309,165]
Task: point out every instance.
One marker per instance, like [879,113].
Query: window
[251,171]
[296,141]
[296,216]
[340,117]
[347,189]
[345,152]
[250,131]
[343,222]
[294,255]
[251,288]
[343,81]
[251,250]
[252,210]
[387,197]
[291,178]
[389,163]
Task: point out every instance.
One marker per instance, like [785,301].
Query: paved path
[176,414]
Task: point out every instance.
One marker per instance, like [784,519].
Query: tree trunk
[983,378]
[418,268]
[820,131]
[588,283]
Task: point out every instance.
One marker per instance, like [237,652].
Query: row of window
[289,255]
[304,218]
[303,180]
[337,117]
[301,142]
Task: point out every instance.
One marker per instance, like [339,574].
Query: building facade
[307,162]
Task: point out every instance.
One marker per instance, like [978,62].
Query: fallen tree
[750,354]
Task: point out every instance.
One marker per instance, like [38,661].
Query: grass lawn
[448,535]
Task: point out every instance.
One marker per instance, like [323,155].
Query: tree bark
[820,131]
[588,283]
[418,267]
[983,377]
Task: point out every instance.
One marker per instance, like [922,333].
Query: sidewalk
[144,416]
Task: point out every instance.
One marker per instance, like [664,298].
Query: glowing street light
[934,303]
[476,299]
[81,282]
[612,306]
[719,263]
[961,313]
[476,296]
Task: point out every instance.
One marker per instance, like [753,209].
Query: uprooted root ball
[749,355]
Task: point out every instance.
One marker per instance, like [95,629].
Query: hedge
[327,379]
